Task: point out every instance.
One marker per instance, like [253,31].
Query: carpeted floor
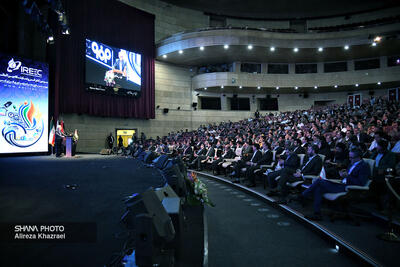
[32,189]
[243,231]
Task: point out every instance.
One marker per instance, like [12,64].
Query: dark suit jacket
[257,156]
[201,152]
[359,175]
[387,161]
[292,161]
[266,158]
[210,152]
[313,167]
[187,151]
[364,138]
[300,150]
[229,155]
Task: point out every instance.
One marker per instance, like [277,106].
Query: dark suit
[358,176]
[290,165]
[210,154]
[216,165]
[265,159]
[309,167]
[257,155]
[388,160]
[300,150]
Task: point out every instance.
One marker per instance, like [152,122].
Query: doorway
[126,136]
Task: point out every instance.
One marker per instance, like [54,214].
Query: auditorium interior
[199,133]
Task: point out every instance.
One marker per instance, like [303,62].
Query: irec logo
[15,65]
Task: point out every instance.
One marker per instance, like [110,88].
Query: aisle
[243,231]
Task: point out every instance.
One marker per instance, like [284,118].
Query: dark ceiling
[284,9]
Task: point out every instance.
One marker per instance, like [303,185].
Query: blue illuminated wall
[23,105]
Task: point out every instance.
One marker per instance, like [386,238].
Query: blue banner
[23,105]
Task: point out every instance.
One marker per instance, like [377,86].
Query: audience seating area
[319,155]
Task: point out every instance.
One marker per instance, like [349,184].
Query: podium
[68,146]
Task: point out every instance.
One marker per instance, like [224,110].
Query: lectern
[68,146]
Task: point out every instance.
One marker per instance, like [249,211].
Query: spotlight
[374,44]
[226,46]
[201,48]
[180,51]
[250,47]
[346,47]
[356,84]
[277,88]
[320,49]
[335,86]
[222,86]
[379,83]
[296,87]
[272,49]
[315,87]
[295,50]
[164,56]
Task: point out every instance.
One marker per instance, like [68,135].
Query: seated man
[228,154]
[265,159]
[384,159]
[312,165]
[357,174]
[200,152]
[247,161]
[290,164]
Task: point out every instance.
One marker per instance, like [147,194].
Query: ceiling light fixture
[258,87]
[356,84]
[295,50]
[277,88]
[201,48]
[315,87]
[226,46]
[374,44]
[240,87]
[222,86]
[379,83]
[335,86]
[320,49]
[272,49]
[296,87]
[250,47]
[346,47]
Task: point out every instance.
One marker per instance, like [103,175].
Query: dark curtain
[113,23]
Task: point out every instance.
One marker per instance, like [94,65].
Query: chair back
[273,155]
[322,157]
[371,163]
[301,156]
